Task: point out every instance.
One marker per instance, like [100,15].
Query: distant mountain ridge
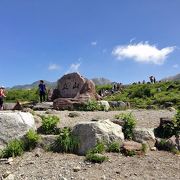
[97,81]
[34,85]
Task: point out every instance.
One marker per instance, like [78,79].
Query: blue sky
[122,40]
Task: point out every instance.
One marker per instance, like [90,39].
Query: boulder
[174,142]
[74,91]
[70,85]
[14,125]
[89,133]
[105,104]
[145,136]
[131,148]
[12,106]
[119,104]
[43,106]
[67,103]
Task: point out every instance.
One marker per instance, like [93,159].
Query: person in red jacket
[2,96]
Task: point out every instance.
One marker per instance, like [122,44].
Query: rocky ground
[46,165]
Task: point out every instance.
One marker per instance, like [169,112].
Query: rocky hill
[97,81]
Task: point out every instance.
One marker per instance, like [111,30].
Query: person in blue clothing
[42,91]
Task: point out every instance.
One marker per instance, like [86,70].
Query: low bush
[66,142]
[129,124]
[99,148]
[49,124]
[95,157]
[114,147]
[14,148]
[92,105]
[167,146]
[31,139]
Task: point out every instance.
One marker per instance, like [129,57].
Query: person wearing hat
[2,96]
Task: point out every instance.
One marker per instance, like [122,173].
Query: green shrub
[14,148]
[129,153]
[114,147]
[129,124]
[99,148]
[95,157]
[31,139]
[66,142]
[177,123]
[92,105]
[49,124]
[144,148]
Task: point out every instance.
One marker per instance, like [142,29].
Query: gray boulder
[14,125]
[89,133]
[144,135]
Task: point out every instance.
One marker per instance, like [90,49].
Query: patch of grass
[96,158]
[92,105]
[31,139]
[129,124]
[66,142]
[49,124]
[114,147]
[144,148]
[99,148]
[14,148]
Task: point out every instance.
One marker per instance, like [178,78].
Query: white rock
[89,133]
[144,135]
[14,125]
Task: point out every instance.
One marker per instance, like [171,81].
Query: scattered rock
[73,114]
[130,147]
[89,133]
[43,106]
[77,168]
[105,104]
[14,125]
[145,136]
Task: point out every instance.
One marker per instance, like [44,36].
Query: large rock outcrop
[74,90]
[89,133]
[14,125]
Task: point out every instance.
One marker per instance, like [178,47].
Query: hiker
[2,96]
[42,91]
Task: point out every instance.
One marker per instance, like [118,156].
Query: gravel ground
[145,118]
[154,165]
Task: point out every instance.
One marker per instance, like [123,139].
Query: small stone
[6,174]
[153,149]
[103,177]
[10,177]
[10,160]
[76,169]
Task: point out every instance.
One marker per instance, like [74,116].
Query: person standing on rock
[2,96]
[42,91]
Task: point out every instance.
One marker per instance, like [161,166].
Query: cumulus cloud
[53,67]
[143,53]
[73,68]
[94,43]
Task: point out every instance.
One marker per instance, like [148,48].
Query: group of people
[41,88]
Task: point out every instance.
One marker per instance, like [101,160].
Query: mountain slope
[172,78]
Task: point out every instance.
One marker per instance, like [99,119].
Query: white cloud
[175,66]
[53,67]
[73,68]
[142,52]
[94,43]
